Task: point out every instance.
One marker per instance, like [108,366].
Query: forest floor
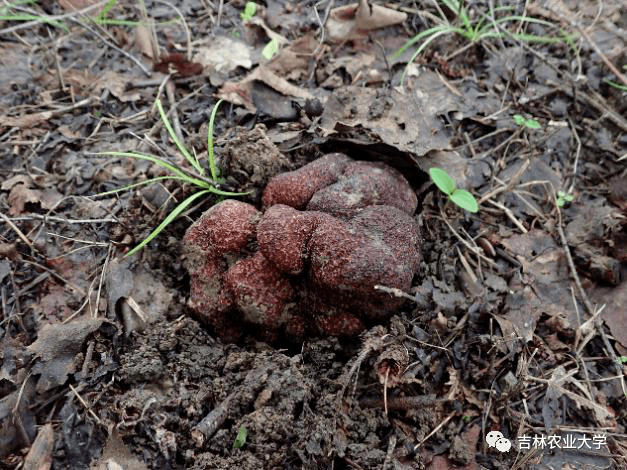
[511,350]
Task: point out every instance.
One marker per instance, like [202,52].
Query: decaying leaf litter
[515,322]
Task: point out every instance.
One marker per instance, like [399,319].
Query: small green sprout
[240,439]
[563,198]
[270,49]
[446,184]
[478,28]
[621,360]
[249,11]
[520,120]
[197,177]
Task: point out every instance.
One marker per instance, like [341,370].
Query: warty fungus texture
[329,232]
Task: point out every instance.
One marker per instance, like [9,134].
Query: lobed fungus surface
[330,231]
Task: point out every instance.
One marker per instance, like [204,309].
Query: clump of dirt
[250,159]
[287,404]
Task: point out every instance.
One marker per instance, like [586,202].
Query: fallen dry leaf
[354,21]
[143,41]
[19,196]
[39,456]
[56,346]
[224,55]
[240,93]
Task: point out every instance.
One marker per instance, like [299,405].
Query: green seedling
[621,360]
[477,29]
[197,177]
[563,198]
[240,439]
[446,184]
[270,49]
[529,123]
[249,11]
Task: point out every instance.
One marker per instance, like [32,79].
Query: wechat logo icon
[496,439]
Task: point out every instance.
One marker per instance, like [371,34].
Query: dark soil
[515,324]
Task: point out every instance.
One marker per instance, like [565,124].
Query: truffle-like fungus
[331,231]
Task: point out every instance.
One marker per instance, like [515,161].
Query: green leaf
[532,124]
[270,49]
[249,11]
[523,121]
[519,119]
[465,200]
[165,222]
[240,440]
[442,180]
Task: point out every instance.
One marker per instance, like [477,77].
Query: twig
[586,301]
[102,275]
[52,218]
[220,8]
[577,154]
[390,452]
[510,184]
[604,58]
[173,114]
[17,230]
[58,276]
[87,407]
[188,34]
[322,22]
[208,426]
[509,214]
[80,309]
[436,429]
[113,46]
[473,249]
[396,292]
[46,115]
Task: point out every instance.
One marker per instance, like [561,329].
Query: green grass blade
[458,9]
[114,22]
[613,84]
[166,122]
[524,19]
[106,9]
[128,187]
[155,160]
[28,17]
[165,222]
[537,39]
[179,175]
[219,192]
[419,37]
[422,47]
[210,152]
